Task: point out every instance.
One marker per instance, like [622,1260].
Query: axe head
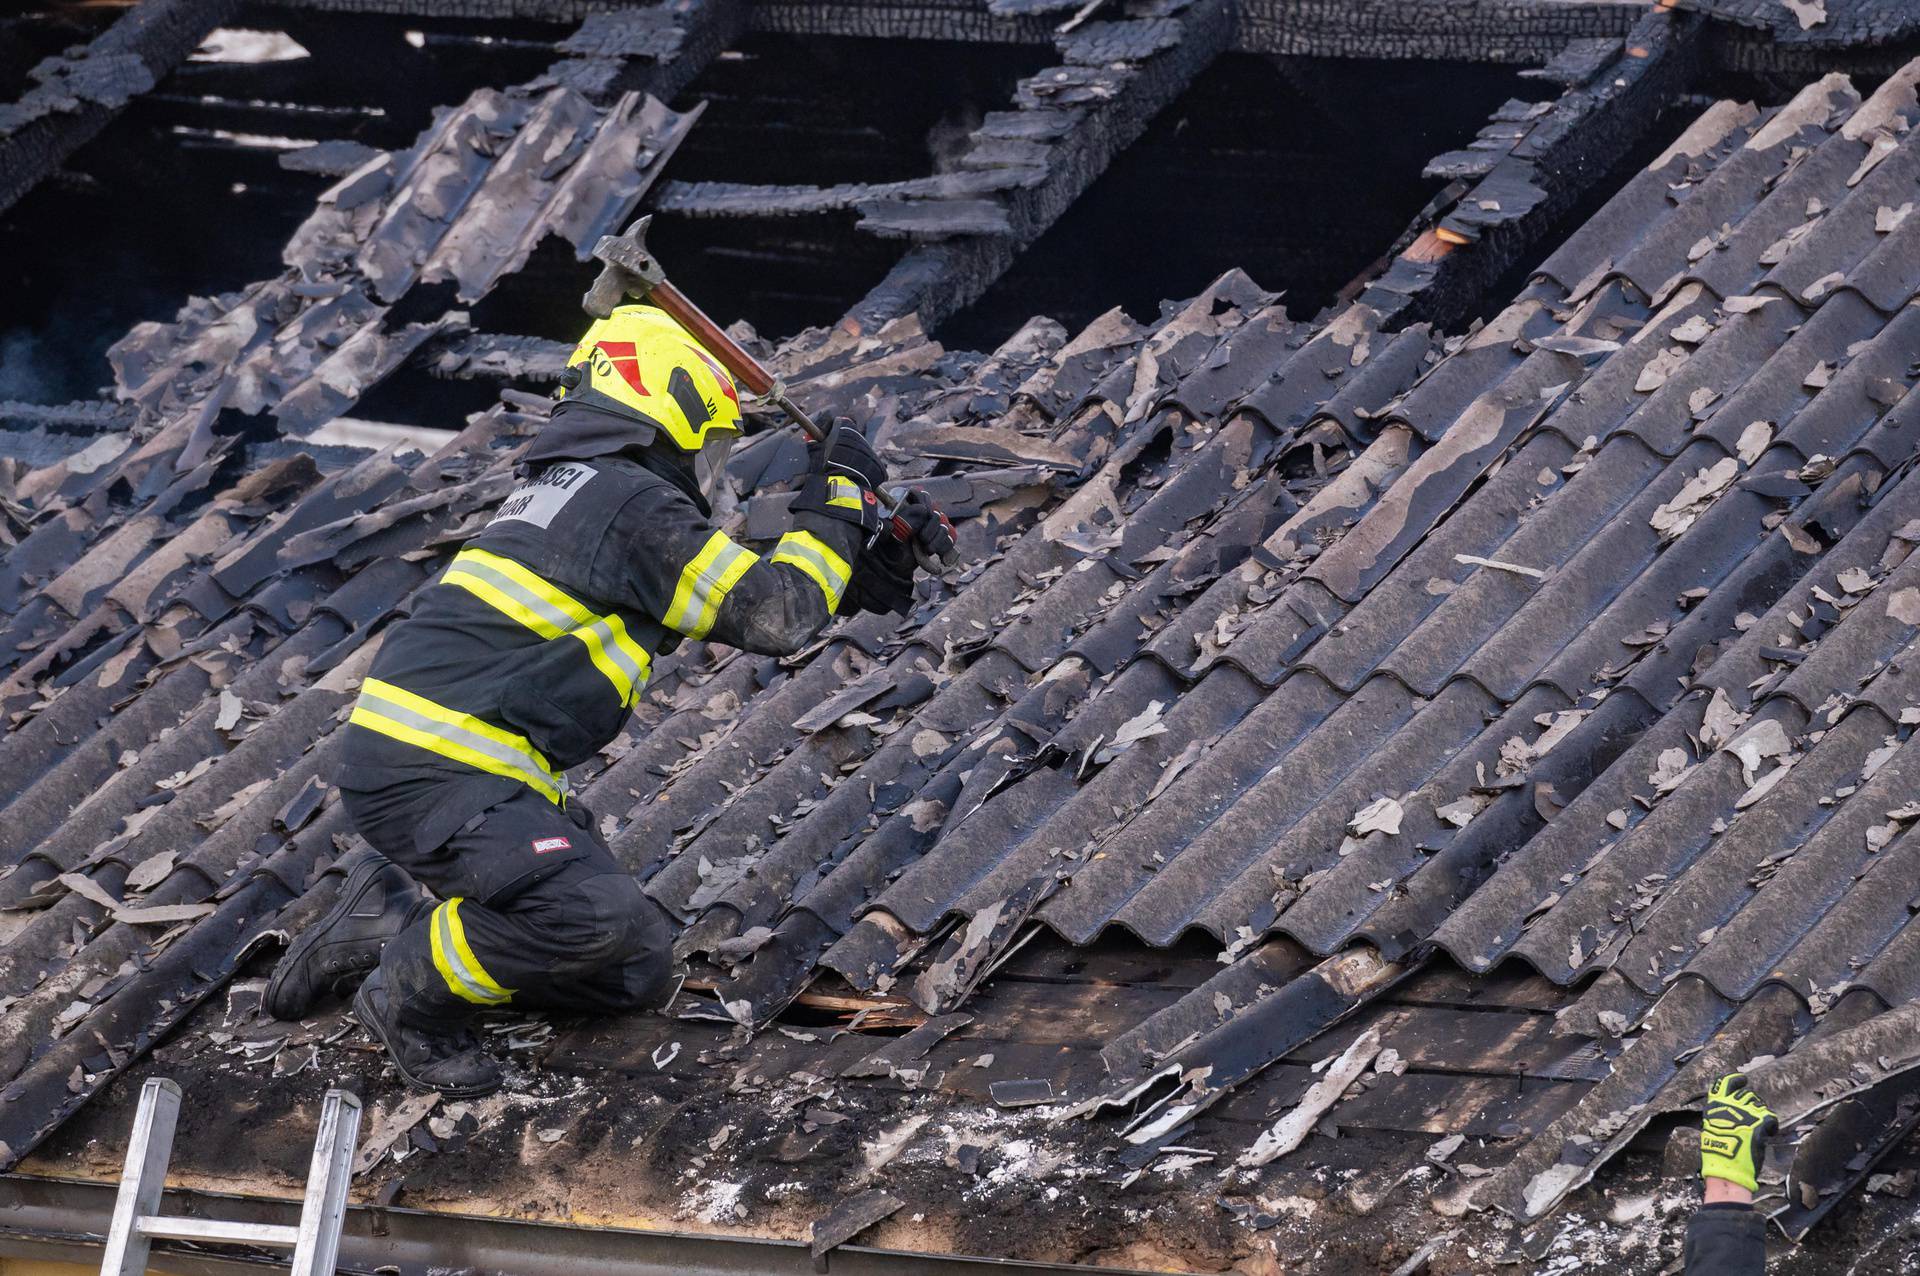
[627,270]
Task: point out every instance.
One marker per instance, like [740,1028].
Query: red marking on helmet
[719,374]
[621,355]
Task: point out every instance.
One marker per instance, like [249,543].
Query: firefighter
[525,658]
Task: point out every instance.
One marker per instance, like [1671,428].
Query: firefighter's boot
[344,946]
[429,1055]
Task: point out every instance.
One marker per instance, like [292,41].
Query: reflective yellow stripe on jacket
[816,558]
[843,491]
[515,591]
[704,584]
[453,958]
[401,715]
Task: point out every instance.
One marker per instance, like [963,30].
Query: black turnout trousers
[532,910]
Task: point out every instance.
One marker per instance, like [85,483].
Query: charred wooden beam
[1825,27]
[1071,123]
[1751,52]
[1530,164]
[743,199]
[1468,30]
[1761,35]
[74,97]
[657,50]
[904,20]
[1517,31]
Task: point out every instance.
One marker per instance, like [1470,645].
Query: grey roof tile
[1231,845]
[1843,233]
[1812,879]
[1365,878]
[1239,735]
[1437,480]
[1511,850]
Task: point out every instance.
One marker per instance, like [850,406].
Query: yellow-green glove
[1733,1137]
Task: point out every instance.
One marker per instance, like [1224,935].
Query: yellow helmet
[638,363]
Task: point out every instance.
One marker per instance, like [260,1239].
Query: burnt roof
[1585,639]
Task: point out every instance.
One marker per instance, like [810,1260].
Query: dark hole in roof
[789,110]
[183,194]
[1299,172]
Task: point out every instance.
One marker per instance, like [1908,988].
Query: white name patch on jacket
[538,500]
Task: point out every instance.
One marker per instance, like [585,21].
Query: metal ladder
[137,1221]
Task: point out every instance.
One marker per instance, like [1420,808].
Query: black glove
[845,476]
[846,451]
[883,578]
[929,534]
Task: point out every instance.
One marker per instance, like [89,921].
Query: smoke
[951,136]
[24,365]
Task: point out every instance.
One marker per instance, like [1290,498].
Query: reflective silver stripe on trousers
[456,965]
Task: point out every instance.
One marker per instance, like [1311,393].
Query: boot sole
[370,1020]
[309,938]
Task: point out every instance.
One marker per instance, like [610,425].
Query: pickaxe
[629,270]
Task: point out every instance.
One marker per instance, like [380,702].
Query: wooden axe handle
[746,369]
[757,381]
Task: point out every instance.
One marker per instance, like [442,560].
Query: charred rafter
[1071,121]
[657,50]
[1532,162]
[904,20]
[1471,30]
[73,98]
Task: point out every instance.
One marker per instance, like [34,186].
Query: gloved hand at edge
[1734,1132]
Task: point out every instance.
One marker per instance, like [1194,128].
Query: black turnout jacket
[528,654]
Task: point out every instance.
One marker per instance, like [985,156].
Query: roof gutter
[65,1220]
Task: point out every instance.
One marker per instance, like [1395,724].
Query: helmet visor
[710,463]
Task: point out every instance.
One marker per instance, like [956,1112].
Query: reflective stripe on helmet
[453,958]
[523,595]
[816,558]
[704,584]
[412,719]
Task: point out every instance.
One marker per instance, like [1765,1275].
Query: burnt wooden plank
[1443,1039]
[1440,1103]
[1015,1010]
[1443,984]
[73,98]
[934,218]
[937,279]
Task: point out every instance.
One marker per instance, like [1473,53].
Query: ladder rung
[137,1221]
[160,1228]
